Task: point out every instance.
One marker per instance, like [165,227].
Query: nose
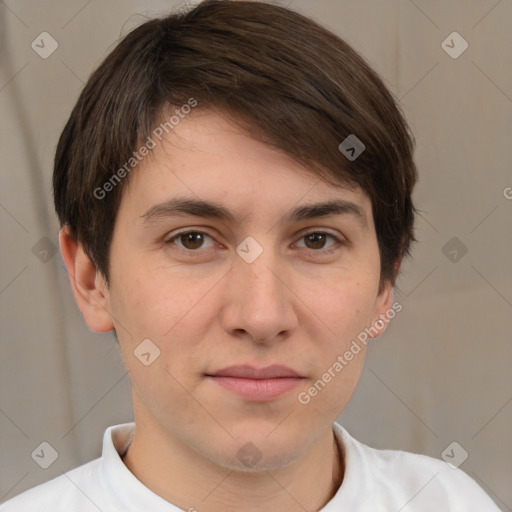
[258,301]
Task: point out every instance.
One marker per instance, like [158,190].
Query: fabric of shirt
[374,481]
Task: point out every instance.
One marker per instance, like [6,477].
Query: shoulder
[93,486]
[69,491]
[414,482]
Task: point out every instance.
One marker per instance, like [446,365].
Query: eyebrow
[196,207]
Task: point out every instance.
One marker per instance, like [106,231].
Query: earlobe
[89,288]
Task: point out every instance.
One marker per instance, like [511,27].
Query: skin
[206,308]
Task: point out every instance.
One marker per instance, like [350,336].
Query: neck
[186,479]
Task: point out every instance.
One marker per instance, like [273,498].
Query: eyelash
[339,241]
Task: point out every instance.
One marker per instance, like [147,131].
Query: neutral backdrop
[440,374]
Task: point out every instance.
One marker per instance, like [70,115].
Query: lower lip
[258,389]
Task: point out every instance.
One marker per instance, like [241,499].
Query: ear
[384,311]
[88,285]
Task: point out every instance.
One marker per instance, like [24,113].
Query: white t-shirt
[374,481]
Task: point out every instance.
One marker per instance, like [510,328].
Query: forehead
[208,158]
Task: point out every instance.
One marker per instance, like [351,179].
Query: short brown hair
[282,77]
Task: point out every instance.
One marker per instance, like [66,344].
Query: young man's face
[298,304]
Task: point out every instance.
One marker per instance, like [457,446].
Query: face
[242,283]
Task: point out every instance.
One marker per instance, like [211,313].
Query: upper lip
[250,372]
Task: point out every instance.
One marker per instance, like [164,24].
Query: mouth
[256,384]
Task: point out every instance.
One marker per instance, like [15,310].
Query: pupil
[317,238]
[194,239]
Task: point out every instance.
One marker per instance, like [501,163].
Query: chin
[262,462]
[252,454]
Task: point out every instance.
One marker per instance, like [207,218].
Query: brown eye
[190,240]
[317,240]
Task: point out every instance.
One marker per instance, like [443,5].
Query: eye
[194,240]
[316,240]
[190,240]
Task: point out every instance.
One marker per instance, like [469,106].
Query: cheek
[344,308]
[170,313]
[149,306]
[146,308]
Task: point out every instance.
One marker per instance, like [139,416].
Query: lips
[249,372]
[256,384]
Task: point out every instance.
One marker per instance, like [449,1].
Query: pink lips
[257,384]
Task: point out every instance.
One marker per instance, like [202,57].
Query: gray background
[441,373]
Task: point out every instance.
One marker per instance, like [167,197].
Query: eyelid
[325,231]
[175,234]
